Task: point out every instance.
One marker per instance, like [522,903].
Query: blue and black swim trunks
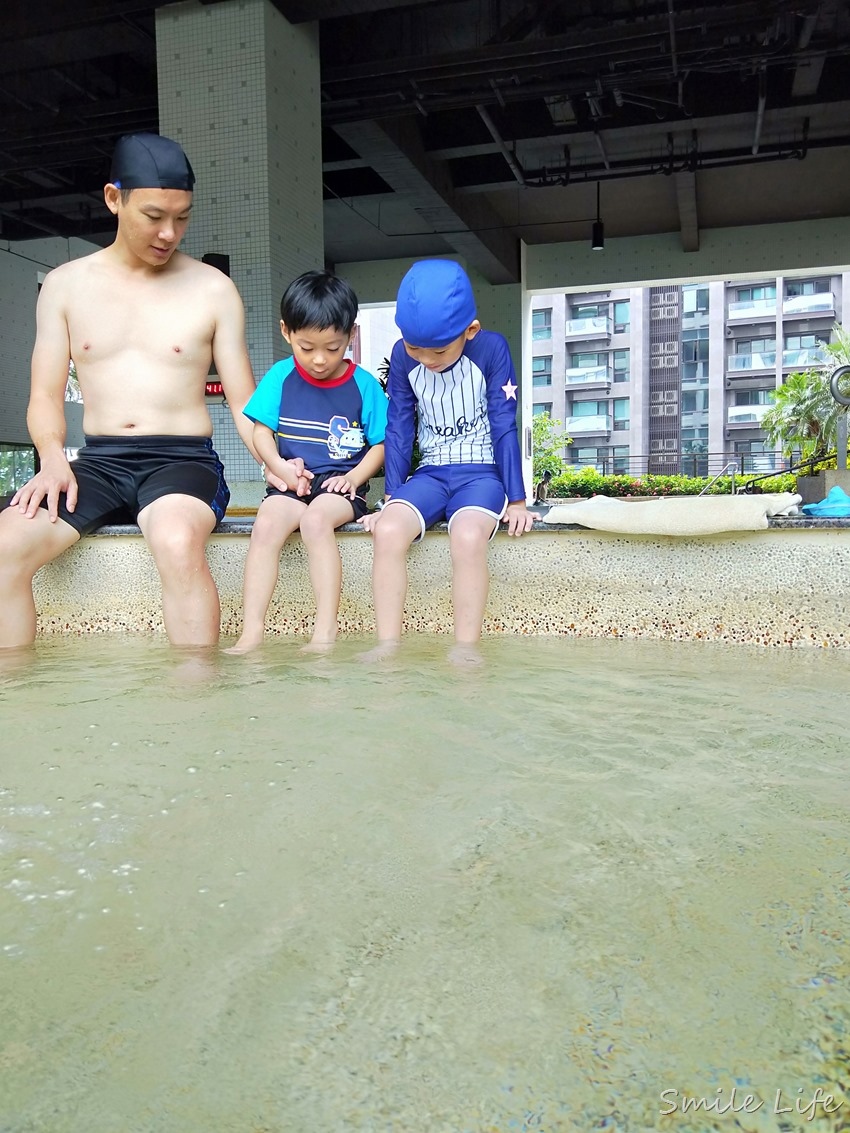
[119,476]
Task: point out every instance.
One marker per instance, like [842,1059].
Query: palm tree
[804,414]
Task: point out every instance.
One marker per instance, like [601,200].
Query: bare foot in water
[245,644]
[465,656]
[317,647]
[381,652]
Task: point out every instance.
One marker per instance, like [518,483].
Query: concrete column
[239,89]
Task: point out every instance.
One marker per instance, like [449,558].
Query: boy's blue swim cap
[435,303]
[150,161]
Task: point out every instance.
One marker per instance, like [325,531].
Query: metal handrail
[733,464]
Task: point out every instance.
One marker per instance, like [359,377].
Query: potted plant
[804,419]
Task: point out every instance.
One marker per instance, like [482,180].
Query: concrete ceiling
[464,126]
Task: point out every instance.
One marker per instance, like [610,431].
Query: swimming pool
[564,891]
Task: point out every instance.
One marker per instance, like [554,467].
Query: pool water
[567,890]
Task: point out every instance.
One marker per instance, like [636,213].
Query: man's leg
[176,528]
[277,518]
[25,546]
[326,512]
[469,536]
[398,526]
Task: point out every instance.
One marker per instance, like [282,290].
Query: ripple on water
[287,893]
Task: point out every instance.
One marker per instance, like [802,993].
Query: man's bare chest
[165,325]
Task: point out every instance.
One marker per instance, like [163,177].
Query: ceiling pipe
[515,167]
[760,110]
[671,20]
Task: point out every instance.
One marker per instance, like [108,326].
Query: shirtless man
[141,321]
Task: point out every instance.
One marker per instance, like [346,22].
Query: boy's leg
[26,544]
[176,528]
[326,512]
[398,526]
[277,517]
[469,535]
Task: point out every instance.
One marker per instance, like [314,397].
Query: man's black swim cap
[149,161]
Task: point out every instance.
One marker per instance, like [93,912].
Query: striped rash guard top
[467,414]
[329,424]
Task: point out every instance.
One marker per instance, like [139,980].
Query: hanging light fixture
[597,238]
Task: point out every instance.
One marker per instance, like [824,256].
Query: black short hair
[319,299]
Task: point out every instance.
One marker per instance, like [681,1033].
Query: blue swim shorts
[438,492]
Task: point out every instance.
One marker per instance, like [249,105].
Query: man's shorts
[118,476]
[358,504]
[438,492]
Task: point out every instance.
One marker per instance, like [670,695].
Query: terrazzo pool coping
[785,585]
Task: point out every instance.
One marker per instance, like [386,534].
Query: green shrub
[589,482]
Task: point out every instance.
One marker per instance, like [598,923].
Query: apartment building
[678,377]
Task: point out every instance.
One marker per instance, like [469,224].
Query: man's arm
[233,366]
[46,410]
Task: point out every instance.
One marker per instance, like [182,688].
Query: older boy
[142,322]
[461,382]
[319,424]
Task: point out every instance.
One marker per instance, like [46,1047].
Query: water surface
[283,893]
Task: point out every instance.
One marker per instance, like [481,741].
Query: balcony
[601,423]
[752,311]
[804,359]
[741,362]
[746,415]
[799,306]
[587,375]
[597,327]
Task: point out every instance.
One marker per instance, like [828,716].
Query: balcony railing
[600,423]
[752,310]
[582,375]
[804,359]
[599,326]
[746,414]
[766,361]
[821,304]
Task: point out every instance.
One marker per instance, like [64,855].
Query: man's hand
[54,478]
[294,477]
[340,484]
[518,518]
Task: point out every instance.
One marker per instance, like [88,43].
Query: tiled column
[239,89]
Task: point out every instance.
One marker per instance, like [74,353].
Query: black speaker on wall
[217,260]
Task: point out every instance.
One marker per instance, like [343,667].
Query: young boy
[319,424]
[461,380]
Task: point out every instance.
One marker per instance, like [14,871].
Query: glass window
[17,465]
[586,311]
[695,344]
[621,458]
[541,324]
[805,341]
[694,299]
[542,407]
[755,345]
[587,360]
[747,294]
[754,397]
[589,408]
[695,401]
[541,369]
[807,287]
[621,365]
[621,413]
[622,315]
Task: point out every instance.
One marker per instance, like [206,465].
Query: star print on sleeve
[510,390]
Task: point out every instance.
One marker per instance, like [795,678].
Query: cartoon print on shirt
[344,440]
